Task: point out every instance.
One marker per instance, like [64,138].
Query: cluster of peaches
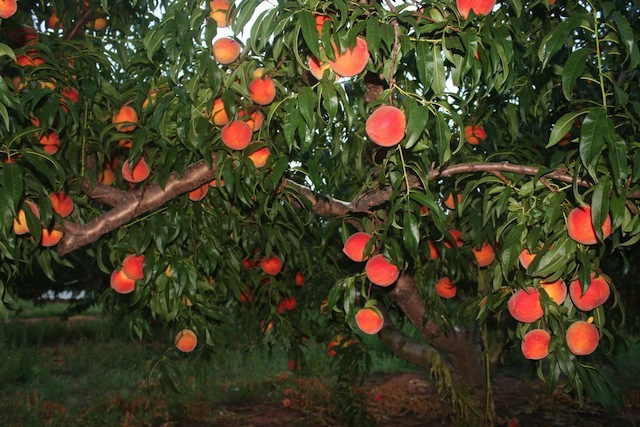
[61,203]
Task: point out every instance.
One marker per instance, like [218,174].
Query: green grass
[27,309]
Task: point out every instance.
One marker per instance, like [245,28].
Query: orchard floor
[409,400]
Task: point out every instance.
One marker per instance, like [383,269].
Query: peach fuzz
[582,338]
[220,12]
[581,229]
[474,134]
[445,288]
[525,306]
[218,113]
[50,143]
[353,61]
[199,193]
[61,203]
[237,135]
[272,265]
[8,8]
[132,266]
[20,223]
[479,7]
[186,341]
[226,50]
[125,119]
[596,294]
[120,283]
[456,239]
[453,200]
[535,344]
[355,245]
[485,255]
[50,237]
[380,271]
[369,321]
[260,156]
[262,90]
[139,173]
[386,126]
[556,290]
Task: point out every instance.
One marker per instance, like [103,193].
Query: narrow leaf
[573,69]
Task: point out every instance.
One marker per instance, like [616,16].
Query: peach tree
[305,169]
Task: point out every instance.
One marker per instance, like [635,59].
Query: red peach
[581,228]
[369,321]
[125,119]
[121,283]
[596,294]
[456,239]
[61,203]
[218,113]
[386,126]
[262,90]
[485,255]
[237,135]
[355,245]
[525,305]
[199,193]
[582,338]
[226,50]
[480,7]
[474,134]
[299,279]
[139,173]
[220,12]
[8,8]
[380,271]
[50,143]
[272,265]
[433,250]
[353,61]
[445,288]
[50,237]
[20,223]
[260,156]
[535,344]
[557,290]
[133,266]
[186,341]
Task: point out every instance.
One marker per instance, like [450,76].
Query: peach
[125,143]
[107,177]
[272,265]
[485,255]
[29,59]
[220,12]
[287,304]
[353,61]
[50,143]
[8,8]
[380,271]
[320,20]
[535,344]
[139,173]
[596,294]
[61,203]
[433,250]
[446,288]
[525,305]
[456,239]
[120,283]
[254,120]
[68,96]
[526,258]
[125,119]
[337,343]
[299,279]
[260,156]
[50,237]
[23,35]
[262,90]
[582,338]
[237,135]
[453,200]
[317,68]
[386,126]
[369,321]
[98,24]
[355,245]
[199,193]
[474,134]
[20,223]
[557,290]
[479,7]
[133,266]
[226,50]
[53,21]
[581,228]
[150,99]
[218,113]
[186,340]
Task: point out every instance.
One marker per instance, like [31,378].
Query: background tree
[487,151]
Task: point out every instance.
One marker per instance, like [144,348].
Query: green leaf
[563,126]
[600,204]
[573,69]
[307,103]
[424,61]
[626,34]
[410,232]
[594,127]
[617,156]
[309,31]
[557,38]
[7,51]
[554,261]
[13,186]
[439,78]
[417,117]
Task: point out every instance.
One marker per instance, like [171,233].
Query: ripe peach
[260,156]
[237,135]
[317,68]
[299,279]
[20,223]
[186,341]
[68,96]
[446,288]
[556,290]
[287,304]
[61,203]
[480,7]
[50,237]
[199,193]
[220,12]
[582,338]
[485,255]
[8,8]
[271,266]
[525,305]
[581,228]
[139,173]
[355,245]
[433,250]
[218,113]
[369,321]
[125,119]
[133,266]
[526,257]
[97,24]
[226,50]
[53,21]
[320,20]
[150,99]
[125,143]
[120,283]
[453,200]
[353,61]
[474,134]
[254,120]
[107,177]
[50,143]
[380,271]
[262,90]
[596,294]
[337,343]
[386,126]
[535,344]
[29,59]
[456,239]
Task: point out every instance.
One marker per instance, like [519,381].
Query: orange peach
[50,143]
[186,341]
[433,250]
[20,223]
[369,321]
[317,68]
[453,200]
[355,245]
[133,266]
[150,99]
[260,156]
[199,193]
[596,294]
[479,7]
[456,239]
[61,203]
[525,305]
[220,12]
[262,90]
[218,113]
[485,255]
[8,8]
[107,177]
[125,143]
[380,271]
[353,61]
[299,279]
[320,20]
[581,228]
[474,134]
[272,265]
[446,288]
[582,338]
[68,96]
[386,126]
[120,283]
[29,59]
[139,173]
[125,119]
[557,290]
[254,120]
[98,23]
[535,344]
[237,135]
[526,258]
[50,237]
[226,50]
[287,304]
